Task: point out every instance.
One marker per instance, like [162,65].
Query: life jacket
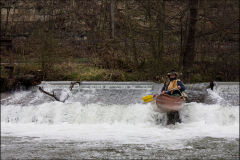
[173,84]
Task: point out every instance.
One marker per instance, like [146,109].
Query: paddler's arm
[163,90]
[180,86]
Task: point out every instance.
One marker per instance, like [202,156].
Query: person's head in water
[172,74]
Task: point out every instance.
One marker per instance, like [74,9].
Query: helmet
[172,72]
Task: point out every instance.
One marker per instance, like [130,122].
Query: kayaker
[174,83]
[173,117]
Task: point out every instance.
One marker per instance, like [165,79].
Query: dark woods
[197,38]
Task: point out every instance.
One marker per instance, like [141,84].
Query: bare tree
[131,34]
[188,54]
[112,18]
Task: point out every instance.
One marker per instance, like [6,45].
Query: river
[109,120]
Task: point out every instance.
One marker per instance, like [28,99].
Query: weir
[196,92]
[117,92]
[88,85]
[117,102]
[123,93]
[134,85]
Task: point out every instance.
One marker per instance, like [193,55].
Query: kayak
[165,103]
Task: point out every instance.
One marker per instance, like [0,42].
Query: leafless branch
[54,96]
[73,83]
[219,27]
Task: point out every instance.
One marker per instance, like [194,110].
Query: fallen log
[54,96]
[73,83]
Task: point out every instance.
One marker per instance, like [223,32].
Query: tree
[112,18]
[188,53]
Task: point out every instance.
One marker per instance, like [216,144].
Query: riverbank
[78,71]
[63,68]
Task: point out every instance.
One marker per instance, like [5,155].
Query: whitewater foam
[84,117]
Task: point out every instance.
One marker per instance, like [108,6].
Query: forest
[122,40]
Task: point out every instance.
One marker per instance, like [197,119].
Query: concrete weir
[85,85]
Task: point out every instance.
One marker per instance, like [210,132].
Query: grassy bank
[74,71]
[65,68]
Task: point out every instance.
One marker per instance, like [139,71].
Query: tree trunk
[204,52]
[8,12]
[184,35]
[131,34]
[188,54]
[112,18]
[161,27]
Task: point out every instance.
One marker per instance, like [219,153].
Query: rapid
[110,120]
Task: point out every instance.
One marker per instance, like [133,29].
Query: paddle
[149,98]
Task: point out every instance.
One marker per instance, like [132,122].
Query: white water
[121,124]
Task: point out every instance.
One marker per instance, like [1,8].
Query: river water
[109,120]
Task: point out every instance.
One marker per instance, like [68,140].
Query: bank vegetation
[123,40]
